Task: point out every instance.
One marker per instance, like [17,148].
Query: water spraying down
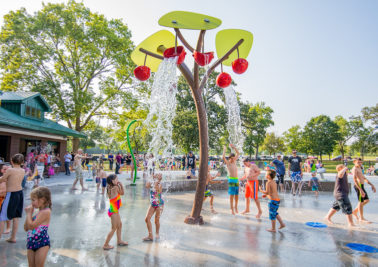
[234,123]
[162,107]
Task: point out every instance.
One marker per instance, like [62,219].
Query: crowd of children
[36,225]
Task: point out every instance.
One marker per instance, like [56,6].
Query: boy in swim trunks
[314,183]
[274,203]
[341,193]
[208,193]
[251,173]
[359,182]
[233,181]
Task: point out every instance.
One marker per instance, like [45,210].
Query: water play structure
[232,49]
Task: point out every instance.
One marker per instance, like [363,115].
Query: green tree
[371,114]
[321,133]
[94,135]
[256,119]
[293,139]
[185,125]
[347,130]
[78,60]
[273,144]
[185,133]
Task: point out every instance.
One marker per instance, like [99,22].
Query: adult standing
[128,161]
[111,161]
[280,167]
[295,172]
[67,160]
[191,163]
[78,169]
[118,163]
[359,182]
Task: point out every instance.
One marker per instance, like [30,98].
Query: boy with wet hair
[274,203]
[362,196]
[251,173]
[233,181]
[341,192]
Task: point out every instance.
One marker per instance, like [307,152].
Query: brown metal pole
[182,39]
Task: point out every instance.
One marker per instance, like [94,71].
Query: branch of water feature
[234,122]
[162,108]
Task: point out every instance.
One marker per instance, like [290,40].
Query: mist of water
[234,122]
[162,108]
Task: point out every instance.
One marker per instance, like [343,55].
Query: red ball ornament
[239,65]
[224,80]
[142,73]
[203,59]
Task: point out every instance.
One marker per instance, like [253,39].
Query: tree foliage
[185,125]
[78,60]
[371,114]
[256,119]
[321,134]
[273,144]
[347,130]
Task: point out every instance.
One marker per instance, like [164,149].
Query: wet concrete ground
[80,223]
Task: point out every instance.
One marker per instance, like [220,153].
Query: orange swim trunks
[252,189]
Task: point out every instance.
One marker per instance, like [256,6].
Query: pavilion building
[23,126]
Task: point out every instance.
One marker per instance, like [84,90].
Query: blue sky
[308,57]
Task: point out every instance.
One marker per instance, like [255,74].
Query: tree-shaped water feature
[232,47]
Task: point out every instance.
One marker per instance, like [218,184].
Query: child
[98,180]
[341,195]
[208,192]
[251,173]
[38,241]
[157,205]
[3,192]
[12,207]
[151,164]
[274,203]
[233,182]
[359,182]
[102,177]
[114,191]
[314,182]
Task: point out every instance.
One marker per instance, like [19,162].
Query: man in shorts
[340,193]
[359,182]
[295,172]
[280,168]
[78,169]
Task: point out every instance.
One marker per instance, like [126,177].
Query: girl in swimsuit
[38,240]
[114,191]
[157,204]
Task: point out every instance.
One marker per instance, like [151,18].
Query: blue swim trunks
[273,207]
[233,186]
[296,177]
[315,188]
[103,182]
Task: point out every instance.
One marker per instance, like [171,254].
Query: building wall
[15,141]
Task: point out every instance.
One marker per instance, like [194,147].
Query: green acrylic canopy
[152,43]
[226,39]
[189,20]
